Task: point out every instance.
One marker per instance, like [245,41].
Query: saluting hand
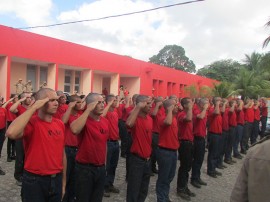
[40,103]
[71,105]
[22,99]
[91,106]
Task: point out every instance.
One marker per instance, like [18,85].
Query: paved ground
[217,190]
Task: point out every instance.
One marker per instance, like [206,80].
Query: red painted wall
[22,44]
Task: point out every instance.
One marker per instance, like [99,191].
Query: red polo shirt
[112,118]
[3,117]
[142,137]
[232,119]
[257,114]
[249,114]
[21,109]
[61,111]
[156,119]
[240,117]
[264,110]
[126,112]
[168,137]
[44,146]
[93,142]
[215,122]
[225,120]
[120,110]
[185,127]
[10,116]
[70,138]
[199,125]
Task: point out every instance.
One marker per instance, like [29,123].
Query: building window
[31,75]
[67,83]
[43,74]
[77,81]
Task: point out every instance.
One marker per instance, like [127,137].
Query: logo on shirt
[56,132]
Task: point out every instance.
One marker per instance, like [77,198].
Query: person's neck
[25,106]
[111,109]
[94,116]
[74,112]
[45,117]
[142,114]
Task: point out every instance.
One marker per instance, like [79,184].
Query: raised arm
[66,115]
[78,124]
[15,130]
[134,114]
[14,107]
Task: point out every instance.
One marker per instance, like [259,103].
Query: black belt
[168,149]
[144,159]
[71,147]
[90,164]
[36,175]
[185,140]
[112,140]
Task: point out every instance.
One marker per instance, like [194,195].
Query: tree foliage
[173,56]
[222,70]
[267,40]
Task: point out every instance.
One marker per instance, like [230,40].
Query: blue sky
[208,31]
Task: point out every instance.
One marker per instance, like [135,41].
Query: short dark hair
[141,98]
[91,97]
[41,94]
[109,97]
[184,101]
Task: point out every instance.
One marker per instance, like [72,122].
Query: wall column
[52,81]
[86,81]
[114,84]
[5,76]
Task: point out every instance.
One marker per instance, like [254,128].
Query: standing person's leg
[134,179]
[154,152]
[123,133]
[2,139]
[145,181]
[223,141]
[19,163]
[99,184]
[228,150]
[255,132]
[198,157]
[129,143]
[112,165]
[166,164]
[237,140]
[263,128]
[245,138]
[213,154]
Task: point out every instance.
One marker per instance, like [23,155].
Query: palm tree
[253,61]
[224,90]
[251,84]
[267,40]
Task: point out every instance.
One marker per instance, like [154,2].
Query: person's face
[51,106]
[175,109]
[100,106]
[28,100]
[148,106]
[62,99]
[78,104]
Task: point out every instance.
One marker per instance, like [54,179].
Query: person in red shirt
[130,104]
[11,117]
[231,136]
[43,138]
[214,135]
[71,145]
[239,128]
[185,150]
[168,145]
[156,114]
[92,130]
[110,113]
[199,132]
[256,123]
[62,108]
[141,127]
[249,119]
[18,108]
[3,118]
[264,115]
[223,141]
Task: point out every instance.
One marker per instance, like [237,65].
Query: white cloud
[209,30]
[33,12]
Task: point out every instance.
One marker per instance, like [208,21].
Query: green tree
[251,84]
[267,40]
[173,56]
[223,89]
[222,70]
[253,61]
